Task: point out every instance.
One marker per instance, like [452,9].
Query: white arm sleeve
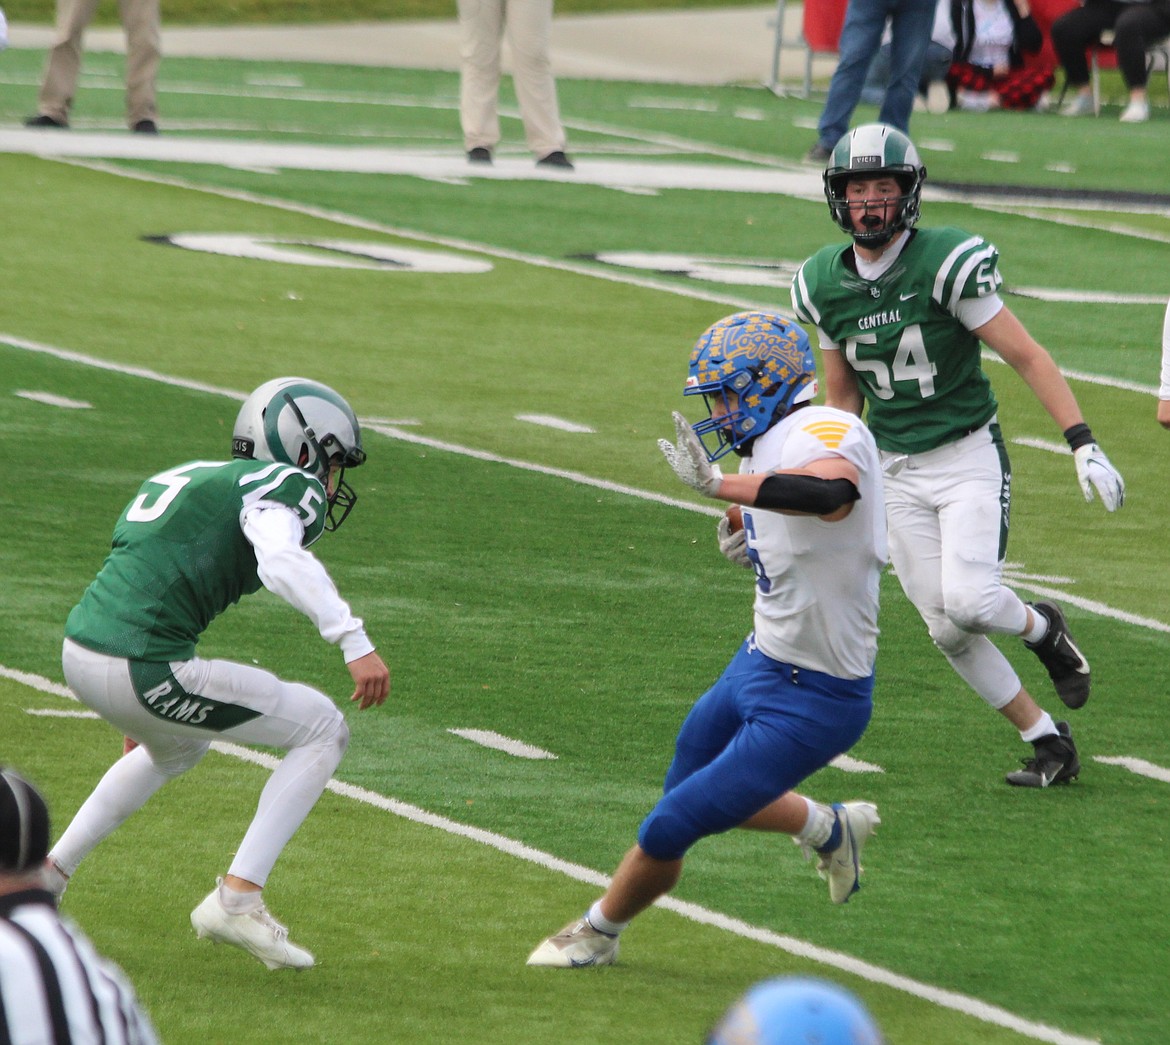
[295,574]
[974,312]
[1164,391]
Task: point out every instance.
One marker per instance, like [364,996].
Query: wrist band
[1078,436]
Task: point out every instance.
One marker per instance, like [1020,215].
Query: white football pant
[292,716]
[947,511]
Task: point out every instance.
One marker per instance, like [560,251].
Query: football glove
[733,545]
[1094,472]
[689,459]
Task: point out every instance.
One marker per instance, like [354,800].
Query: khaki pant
[141,20]
[528,24]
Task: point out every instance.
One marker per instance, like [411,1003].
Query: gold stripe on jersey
[831,433]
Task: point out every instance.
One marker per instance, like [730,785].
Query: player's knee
[336,734]
[322,725]
[665,837]
[971,609]
[949,638]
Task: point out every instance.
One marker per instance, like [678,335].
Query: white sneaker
[1078,105]
[1136,112]
[841,865]
[256,932]
[974,101]
[938,98]
[576,946]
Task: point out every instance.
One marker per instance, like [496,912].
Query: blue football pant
[760,730]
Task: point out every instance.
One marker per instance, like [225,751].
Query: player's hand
[1095,472]
[371,680]
[1164,413]
[689,459]
[733,545]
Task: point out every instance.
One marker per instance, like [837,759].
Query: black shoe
[145,127]
[1066,665]
[479,155]
[818,154]
[555,159]
[1055,761]
[41,120]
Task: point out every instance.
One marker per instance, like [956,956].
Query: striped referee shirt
[55,989]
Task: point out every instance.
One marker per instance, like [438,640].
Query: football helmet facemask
[871,151]
[292,420]
[751,368]
[794,1011]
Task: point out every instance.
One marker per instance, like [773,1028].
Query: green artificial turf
[577,618]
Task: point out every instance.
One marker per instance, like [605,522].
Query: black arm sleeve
[806,493]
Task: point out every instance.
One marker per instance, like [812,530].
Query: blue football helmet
[797,1011]
[751,368]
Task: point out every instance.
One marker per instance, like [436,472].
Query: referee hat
[24,824]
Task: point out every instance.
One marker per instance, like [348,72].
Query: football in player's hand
[734,519]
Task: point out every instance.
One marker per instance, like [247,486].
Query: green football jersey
[180,557]
[918,367]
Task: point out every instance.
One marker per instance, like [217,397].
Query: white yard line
[498,742]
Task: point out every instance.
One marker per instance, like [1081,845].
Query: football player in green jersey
[901,315]
[192,542]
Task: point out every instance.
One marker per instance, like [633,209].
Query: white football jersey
[817,582]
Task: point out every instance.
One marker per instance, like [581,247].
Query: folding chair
[820,33]
[1103,55]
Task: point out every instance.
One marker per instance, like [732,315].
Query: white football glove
[689,459]
[1094,472]
[733,545]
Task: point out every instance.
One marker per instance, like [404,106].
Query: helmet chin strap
[874,239]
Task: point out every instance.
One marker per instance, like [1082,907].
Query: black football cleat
[1062,658]
[1055,761]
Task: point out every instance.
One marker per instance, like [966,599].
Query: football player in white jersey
[194,540]
[798,693]
[901,315]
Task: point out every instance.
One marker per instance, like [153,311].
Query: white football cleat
[256,932]
[576,946]
[841,865]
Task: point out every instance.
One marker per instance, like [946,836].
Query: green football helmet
[873,150]
[292,420]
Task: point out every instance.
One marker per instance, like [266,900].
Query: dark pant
[1134,25]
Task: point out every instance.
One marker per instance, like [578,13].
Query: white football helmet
[292,420]
[870,151]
